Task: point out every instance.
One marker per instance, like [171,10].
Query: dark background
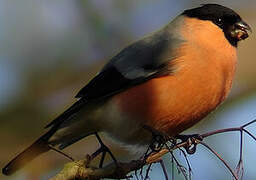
[50,49]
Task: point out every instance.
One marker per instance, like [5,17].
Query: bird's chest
[175,102]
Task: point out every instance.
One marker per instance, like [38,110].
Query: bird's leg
[103,149]
[157,142]
[190,139]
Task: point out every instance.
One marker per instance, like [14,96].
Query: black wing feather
[66,114]
[106,84]
[142,58]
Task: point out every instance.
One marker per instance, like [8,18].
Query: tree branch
[81,169]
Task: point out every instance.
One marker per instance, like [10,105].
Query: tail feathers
[37,148]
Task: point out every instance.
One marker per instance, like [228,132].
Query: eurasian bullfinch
[168,81]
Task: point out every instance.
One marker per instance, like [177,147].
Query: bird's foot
[191,141]
[104,150]
[158,141]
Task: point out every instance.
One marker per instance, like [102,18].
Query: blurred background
[51,49]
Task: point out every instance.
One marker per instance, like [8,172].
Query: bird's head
[234,28]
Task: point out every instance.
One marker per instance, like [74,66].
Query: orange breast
[201,82]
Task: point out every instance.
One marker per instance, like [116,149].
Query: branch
[81,169]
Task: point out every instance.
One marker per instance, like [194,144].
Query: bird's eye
[219,21]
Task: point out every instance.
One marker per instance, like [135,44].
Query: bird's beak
[240,30]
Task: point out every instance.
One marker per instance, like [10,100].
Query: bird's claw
[157,143]
[191,140]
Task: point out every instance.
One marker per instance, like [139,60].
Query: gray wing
[137,63]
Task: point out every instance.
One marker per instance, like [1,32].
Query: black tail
[38,147]
[41,145]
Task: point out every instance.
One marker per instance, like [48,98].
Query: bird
[168,81]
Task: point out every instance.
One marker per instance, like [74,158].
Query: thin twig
[220,158]
[141,172]
[239,167]
[136,174]
[180,168]
[62,153]
[188,163]
[147,172]
[250,134]
[249,123]
[161,162]
[241,128]
[172,168]
[211,133]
